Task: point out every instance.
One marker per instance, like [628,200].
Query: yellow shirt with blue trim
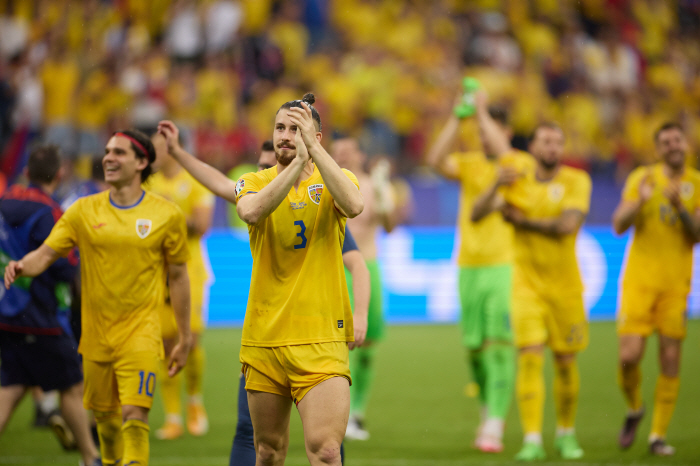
[123,257]
[661,254]
[490,240]
[298,293]
[547,264]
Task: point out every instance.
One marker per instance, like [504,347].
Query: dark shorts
[48,361]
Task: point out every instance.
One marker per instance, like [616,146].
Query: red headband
[134,142]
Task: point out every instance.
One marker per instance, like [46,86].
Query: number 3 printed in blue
[301,225]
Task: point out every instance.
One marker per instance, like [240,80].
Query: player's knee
[270,452]
[134,412]
[327,451]
[630,356]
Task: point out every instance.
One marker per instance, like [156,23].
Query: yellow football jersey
[188,194]
[298,293]
[661,255]
[123,255]
[489,241]
[545,263]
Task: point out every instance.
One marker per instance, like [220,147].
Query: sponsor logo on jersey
[315,191]
[143,227]
[239,186]
[99,225]
[297,205]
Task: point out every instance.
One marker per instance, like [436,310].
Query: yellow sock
[530,391]
[566,388]
[629,378]
[665,398]
[194,370]
[136,446]
[170,390]
[109,430]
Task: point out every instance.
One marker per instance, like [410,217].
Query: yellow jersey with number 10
[123,257]
[547,264]
[661,254]
[297,293]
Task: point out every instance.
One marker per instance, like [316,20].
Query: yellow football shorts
[557,320]
[129,380]
[168,324]
[643,310]
[293,370]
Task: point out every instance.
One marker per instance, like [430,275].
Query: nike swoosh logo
[99,225]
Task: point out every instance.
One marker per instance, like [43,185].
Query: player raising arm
[662,203]
[547,207]
[298,321]
[128,239]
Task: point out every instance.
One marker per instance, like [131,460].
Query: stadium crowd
[607,70]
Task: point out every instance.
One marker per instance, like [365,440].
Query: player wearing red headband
[128,240]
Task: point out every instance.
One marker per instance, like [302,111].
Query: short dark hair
[544,124]
[43,165]
[665,127]
[500,114]
[308,99]
[145,142]
[267,146]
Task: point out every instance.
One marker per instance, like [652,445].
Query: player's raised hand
[178,357]
[12,271]
[171,133]
[303,120]
[646,187]
[302,151]
[507,176]
[673,194]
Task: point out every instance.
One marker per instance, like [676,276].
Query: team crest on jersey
[315,191]
[555,192]
[143,227]
[239,186]
[687,190]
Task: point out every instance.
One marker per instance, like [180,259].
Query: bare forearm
[485,204]
[360,289]
[565,224]
[37,261]
[493,135]
[254,208]
[180,299]
[208,176]
[441,147]
[343,190]
[625,215]
[691,226]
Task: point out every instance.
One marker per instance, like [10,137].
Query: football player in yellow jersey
[547,207]
[128,239]
[174,183]
[298,325]
[485,262]
[662,203]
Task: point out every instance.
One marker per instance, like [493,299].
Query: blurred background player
[172,182]
[547,207]
[36,344]
[295,340]
[357,278]
[485,261]
[127,239]
[662,203]
[384,209]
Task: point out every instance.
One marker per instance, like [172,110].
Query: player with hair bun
[298,326]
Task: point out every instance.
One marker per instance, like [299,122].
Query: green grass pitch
[419,413]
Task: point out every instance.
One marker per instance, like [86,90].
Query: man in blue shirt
[36,346]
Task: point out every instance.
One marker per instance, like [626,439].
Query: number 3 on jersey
[301,235]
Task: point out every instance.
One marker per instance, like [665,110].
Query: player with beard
[298,323]
[662,203]
[547,207]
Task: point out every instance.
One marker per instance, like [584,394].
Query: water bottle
[467,106]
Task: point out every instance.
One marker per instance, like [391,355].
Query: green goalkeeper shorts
[485,296]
